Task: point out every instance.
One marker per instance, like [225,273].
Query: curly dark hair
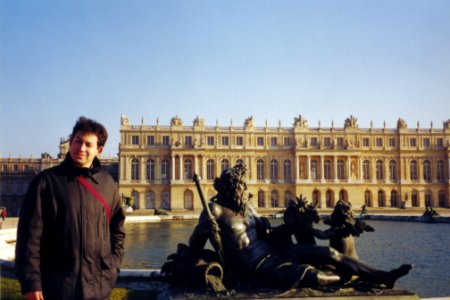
[88,125]
[226,185]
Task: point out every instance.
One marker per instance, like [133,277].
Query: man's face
[84,148]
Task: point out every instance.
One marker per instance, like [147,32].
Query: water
[392,244]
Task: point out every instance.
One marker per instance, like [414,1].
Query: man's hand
[35,295]
[210,227]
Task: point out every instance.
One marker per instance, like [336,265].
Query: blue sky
[221,60]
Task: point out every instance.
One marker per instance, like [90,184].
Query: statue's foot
[396,274]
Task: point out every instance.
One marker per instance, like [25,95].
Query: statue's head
[231,187]
[342,213]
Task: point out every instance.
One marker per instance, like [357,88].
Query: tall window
[134,169]
[428,199]
[260,141]
[274,198]
[393,170]
[239,141]
[210,140]
[413,170]
[287,170]
[316,197]
[225,141]
[150,170]
[394,199]
[188,169]
[287,141]
[273,169]
[210,170]
[340,169]
[188,140]
[327,169]
[381,199]
[135,140]
[327,142]
[440,170]
[150,140]
[225,164]
[413,142]
[150,200]
[273,141]
[260,169]
[261,199]
[287,198]
[329,198]
[367,199]
[188,200]
[165,200]
[427,170]
[165,170]
[415,199]
[314,169]
[366,170]
[166,140]
[379,169]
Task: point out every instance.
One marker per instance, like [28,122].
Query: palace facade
[379,167]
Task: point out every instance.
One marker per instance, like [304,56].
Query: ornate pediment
[351,122]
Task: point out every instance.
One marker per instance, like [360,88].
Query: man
[70,236]
[245,239]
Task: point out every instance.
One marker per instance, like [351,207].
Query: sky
[378,60]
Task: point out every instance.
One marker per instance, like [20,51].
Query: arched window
[427,170]
[260,169]
[440,170]
[329,198]
[379,169]
[340,169]
[367,199]
[225,164]
[343,195]
[415,202]
[165,200]
[274,198]
[366,170]
[314,169]
[188,169]
[327,169]
[261,199]
[188,200]
[150,200]
[316,197]
[134,169]
[442,199]
[394,198]
[165,170]
[273,170]
[287,170]
[428,199]
[210,170]
[135,196]
[287,198]
[150,170]
[381,199]
[393,170]
[413,170]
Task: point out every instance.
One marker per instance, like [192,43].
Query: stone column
[180,167]
[172,176]
[297,168]
[335,173]
[308,167]
[349,174]
[322,168]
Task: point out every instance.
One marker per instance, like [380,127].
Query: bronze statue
[255,254]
